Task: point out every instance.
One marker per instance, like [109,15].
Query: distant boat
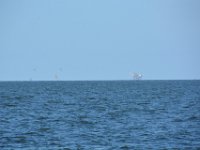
[137,76]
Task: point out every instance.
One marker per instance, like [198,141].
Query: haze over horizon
[99,40]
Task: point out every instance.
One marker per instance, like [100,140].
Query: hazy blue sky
[99,39]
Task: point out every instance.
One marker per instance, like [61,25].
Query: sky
[99,39]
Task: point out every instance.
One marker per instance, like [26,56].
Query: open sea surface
[100,115]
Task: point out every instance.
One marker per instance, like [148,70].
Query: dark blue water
[100,115]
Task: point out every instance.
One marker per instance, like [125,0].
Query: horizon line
[98,80]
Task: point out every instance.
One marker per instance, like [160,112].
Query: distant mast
[136,76]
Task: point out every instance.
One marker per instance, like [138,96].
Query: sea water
[100,115]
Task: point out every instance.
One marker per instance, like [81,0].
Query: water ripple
[100,115]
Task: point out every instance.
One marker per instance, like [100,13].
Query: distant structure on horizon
[136,76]
[56,77]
